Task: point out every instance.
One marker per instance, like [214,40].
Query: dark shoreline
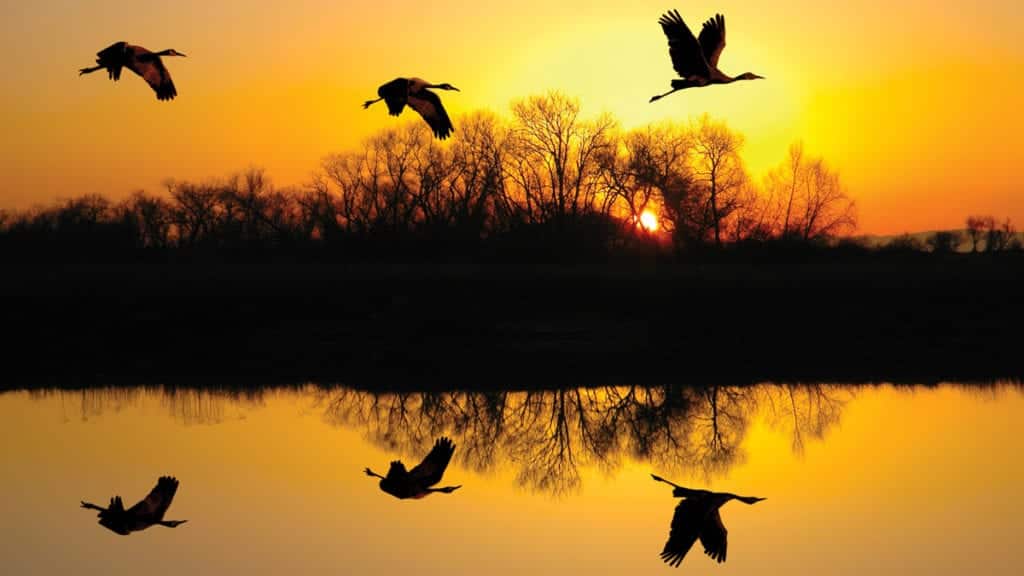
[919,318]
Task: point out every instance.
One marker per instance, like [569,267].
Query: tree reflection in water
[189,406]
[547,436]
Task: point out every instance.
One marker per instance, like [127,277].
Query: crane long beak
[670,483]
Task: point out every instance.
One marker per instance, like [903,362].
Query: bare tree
[718,168]
[317,211]
[242,201]
[378,187]
[753,216]
[791,182]
[431,187]
[194,210]
[644,169]
[552,159]
[399,151]
[477,181]
[152,218]
[827,210]
[976,226]
[809,198]
[1000,237]
[356,176]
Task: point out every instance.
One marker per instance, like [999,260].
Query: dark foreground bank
[895,319]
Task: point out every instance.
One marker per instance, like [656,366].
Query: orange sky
[917,103]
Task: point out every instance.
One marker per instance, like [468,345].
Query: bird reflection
[697,517]
[416,483]
[147,512]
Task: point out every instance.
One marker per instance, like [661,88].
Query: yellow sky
[917,103]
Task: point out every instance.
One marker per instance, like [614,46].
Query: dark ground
[917,318]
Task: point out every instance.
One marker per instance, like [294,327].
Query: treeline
[982,234]
[547,436]
[544,184]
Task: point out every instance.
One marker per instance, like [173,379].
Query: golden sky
[917,103]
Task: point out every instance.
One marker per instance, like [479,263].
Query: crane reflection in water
[419,481]
[697,517]
[145,513]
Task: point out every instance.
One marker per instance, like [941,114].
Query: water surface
[876,479]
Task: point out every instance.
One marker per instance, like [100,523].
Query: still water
[858,479]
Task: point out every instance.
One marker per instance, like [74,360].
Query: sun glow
[649,221]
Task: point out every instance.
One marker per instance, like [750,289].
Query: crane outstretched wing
[155,504]
[397,471]
[712,39]
[687,56]
[115,50]
[116,506]
[395,94]
[151,68]
[430,471]
[686,526]
[112,58]
[713,536]
[429,106]
[113,518]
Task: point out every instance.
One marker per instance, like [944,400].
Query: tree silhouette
[188,406]
[976,226]
[552,159]
[810,199]
[151,217]
[194,211]
[717,166]
[648,168]
[1000,237]
[944,241]
[547,436]
[544,183]
[790,178]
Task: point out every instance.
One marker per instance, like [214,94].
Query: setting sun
[649,221]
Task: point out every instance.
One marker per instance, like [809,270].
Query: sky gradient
[917,103]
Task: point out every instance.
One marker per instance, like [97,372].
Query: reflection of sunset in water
[553,481]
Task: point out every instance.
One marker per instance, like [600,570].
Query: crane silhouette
[696,60]
[414,92]
[147,512]
[697,517]
[146,64]
[416,483]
